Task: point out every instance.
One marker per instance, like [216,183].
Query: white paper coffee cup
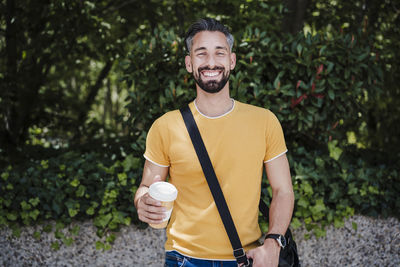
[166,193]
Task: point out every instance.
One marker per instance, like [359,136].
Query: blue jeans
[175,259]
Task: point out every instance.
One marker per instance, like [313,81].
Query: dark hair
[207,24]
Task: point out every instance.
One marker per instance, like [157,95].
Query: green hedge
[75,185]
[320,87]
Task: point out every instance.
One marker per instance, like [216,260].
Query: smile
[210,73]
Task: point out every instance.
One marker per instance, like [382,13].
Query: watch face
[282,241]
[279,238]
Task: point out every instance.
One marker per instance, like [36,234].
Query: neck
[214,105]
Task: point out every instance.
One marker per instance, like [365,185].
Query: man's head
[207,24]
[210,58]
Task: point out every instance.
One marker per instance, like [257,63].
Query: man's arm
[280,211]
[150,210]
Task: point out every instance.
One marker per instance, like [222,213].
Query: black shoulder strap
[213,183]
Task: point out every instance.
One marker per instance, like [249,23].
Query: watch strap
[279,238]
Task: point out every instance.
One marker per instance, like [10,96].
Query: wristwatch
[279,238]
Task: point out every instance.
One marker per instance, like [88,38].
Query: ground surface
[376,242]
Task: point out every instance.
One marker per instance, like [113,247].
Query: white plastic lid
[163,191]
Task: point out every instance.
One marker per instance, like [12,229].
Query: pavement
[374,242]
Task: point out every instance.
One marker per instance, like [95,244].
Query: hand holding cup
[155,206]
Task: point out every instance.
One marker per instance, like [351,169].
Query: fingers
[250,253]
[150,210]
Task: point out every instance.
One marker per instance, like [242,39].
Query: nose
[211,61]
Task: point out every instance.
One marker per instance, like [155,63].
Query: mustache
[208,68]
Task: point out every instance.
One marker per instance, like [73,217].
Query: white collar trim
[217,117]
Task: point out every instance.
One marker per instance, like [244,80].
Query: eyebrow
[217,47]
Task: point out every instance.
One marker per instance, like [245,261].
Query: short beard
[212,86]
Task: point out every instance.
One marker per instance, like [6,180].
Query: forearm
[151,173]
[281,210]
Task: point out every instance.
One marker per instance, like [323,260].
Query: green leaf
[34,214]
[68,241]
[111,238]
[334,151]
[299,49]
[55,246]
[5,176]
[338,222]
[130,163]
[12,216]
[59,225]
[308,190]
[321,51]
[122,177]
[37,235]
[72,212]
[75,230]
[319,205]
[354,226]
[90,211]
[99,245]
[319,232]
[48,228]
[295,223]
[25,206]
[80,192]
[74,182]
[44,164]
[107,247]
[34,201]
[127,221]
[330,67]
[331,94]
[102,220]
[320,162]
[59,235]
[302,202]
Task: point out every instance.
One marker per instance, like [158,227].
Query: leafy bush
[317,85]
[72,186]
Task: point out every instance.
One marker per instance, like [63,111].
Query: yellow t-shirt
[238,143]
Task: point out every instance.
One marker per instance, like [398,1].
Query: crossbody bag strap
[213,183]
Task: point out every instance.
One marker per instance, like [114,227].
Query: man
[240,140]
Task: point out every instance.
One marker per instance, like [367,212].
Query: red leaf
[320,69]
[298,100]
[320,96]
[298,84]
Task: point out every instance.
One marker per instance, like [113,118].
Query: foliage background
[82,81]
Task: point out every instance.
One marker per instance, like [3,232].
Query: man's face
[210,61]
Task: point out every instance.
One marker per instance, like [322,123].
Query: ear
[233,60]
[188,63]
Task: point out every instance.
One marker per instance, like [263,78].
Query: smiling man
[212,74]
[241,140]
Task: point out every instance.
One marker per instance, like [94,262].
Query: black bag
[288,256]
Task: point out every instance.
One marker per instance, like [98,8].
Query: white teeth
[210,74]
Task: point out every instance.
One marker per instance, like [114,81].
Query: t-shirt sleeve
[275,140]
[157,144]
